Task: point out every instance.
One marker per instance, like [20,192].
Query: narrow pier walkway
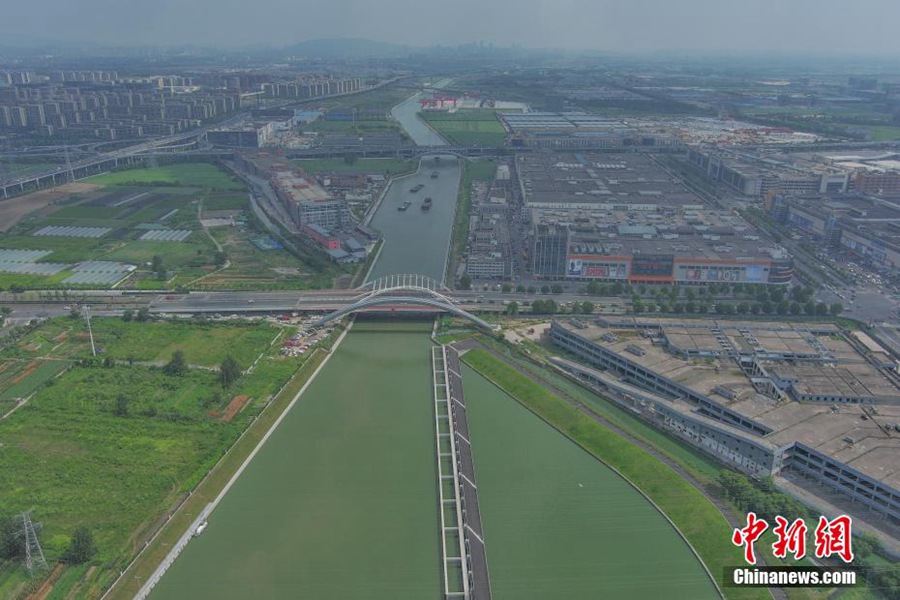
[479,580]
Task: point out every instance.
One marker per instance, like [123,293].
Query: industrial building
[622,218]
[754,173]
[803,402]
[865,226]
[578,130]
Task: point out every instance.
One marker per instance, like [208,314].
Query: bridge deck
[453,548]
[474,536]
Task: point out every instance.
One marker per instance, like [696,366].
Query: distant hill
[347,47]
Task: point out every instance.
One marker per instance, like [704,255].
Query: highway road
[268,302]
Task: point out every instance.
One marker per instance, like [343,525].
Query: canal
[341,502]
[560,524]
[415,240]
[407,113]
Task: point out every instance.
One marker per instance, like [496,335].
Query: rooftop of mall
[623,179]
[625,204]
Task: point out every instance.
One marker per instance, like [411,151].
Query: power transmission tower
[34,556]
[87,315]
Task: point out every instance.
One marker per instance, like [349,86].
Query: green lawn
[701,523]
[694,461]
[191,175]
[468,127]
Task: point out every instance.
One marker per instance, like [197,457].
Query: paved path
[481,585]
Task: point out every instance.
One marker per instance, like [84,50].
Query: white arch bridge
[407,290]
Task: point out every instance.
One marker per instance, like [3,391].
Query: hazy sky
[827,26]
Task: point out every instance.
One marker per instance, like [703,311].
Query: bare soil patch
[12,210]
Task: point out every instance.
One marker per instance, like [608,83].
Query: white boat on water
[200,528]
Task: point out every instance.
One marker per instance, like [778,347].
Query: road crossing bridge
[407,290]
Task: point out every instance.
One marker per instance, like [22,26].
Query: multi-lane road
[227,303]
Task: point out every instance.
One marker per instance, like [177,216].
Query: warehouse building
[747,407]
[622,218]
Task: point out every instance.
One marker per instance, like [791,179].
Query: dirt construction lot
[12,211]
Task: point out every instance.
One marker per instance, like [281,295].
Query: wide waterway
[341,502]
[560,524]
[407,114]
[417,241]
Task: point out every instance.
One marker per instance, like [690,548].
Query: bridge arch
[407,282]
[405,300]
[408,289]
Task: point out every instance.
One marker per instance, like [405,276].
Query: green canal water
[558,523]
[341,502]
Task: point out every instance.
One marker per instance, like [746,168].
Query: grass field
[559,524]
[341,501]
[188,175]
[202,344]
[467,127]
[76,456]
[701,523]
[382,98]
[381,166]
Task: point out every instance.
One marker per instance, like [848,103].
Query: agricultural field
[18,379]
[152,236]
[257,261]
[113,445]
[467,127]
[199,175]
